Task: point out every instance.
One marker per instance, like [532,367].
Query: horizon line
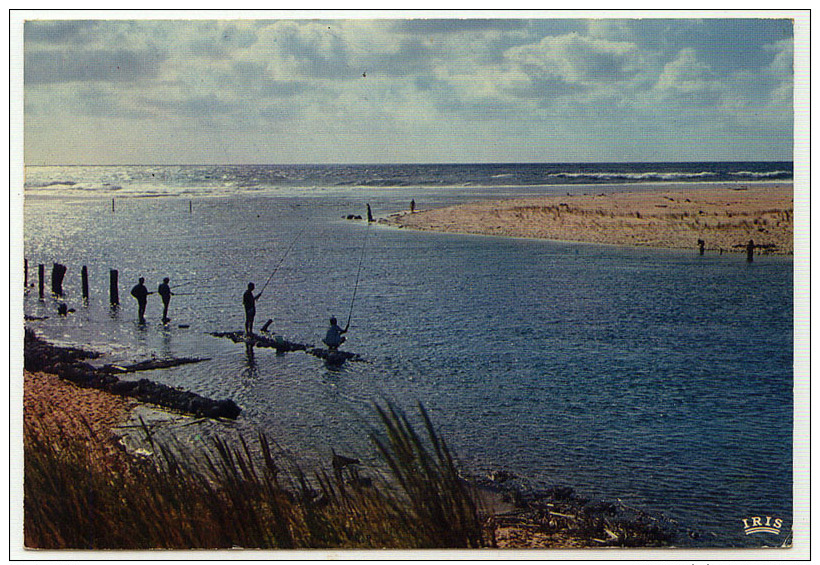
[365,164]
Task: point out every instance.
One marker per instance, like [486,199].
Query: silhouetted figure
[412,206]
[249,300]
[164,291]
[750,251]
[701,243]
[141,294]
[333,338]
[369,214]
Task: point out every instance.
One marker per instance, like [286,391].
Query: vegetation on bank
[241,496]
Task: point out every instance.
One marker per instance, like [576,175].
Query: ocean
[656,377]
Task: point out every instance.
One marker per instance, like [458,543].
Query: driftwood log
[281,346]
[69,363]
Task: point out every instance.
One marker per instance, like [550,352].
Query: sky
[407,90]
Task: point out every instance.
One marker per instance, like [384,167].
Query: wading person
[249,300]
[165,292]
[141,294]
[333,338]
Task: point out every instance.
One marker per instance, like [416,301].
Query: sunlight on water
[657,377]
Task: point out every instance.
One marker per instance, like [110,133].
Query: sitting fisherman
[333,338]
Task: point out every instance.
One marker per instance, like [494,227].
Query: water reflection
[250,362]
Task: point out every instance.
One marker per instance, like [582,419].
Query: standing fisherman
[141,294]
[249,300]
[165,292]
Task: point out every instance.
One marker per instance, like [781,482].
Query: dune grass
[237,494]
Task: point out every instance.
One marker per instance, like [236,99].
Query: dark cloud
[425,26]
[223,41]
[58,32]
[120,65]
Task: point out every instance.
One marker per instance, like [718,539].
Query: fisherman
[249,300]
[165,292]
[333,338]
[413,206]
[141,294]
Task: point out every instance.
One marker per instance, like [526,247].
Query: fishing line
[282,259]
[358,272]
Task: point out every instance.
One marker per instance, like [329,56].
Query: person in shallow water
[249,300]
[141,294]
[165,292]
[333,338]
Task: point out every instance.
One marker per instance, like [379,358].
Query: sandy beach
[725,216]
[56,407]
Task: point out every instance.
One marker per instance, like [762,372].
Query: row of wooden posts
[58,272]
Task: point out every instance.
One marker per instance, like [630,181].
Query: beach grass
[238,495]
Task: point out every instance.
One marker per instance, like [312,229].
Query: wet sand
[725,216]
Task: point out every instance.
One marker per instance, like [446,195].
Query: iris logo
[762,525]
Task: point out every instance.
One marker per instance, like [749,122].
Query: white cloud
[347,86]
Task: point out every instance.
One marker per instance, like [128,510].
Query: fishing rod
[358,272]
[295,239]
[181,284]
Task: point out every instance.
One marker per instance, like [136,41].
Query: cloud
[119,65]
[355,81]
[575,58]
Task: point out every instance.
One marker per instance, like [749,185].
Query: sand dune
[724,216]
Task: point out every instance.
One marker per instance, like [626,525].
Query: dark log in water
[334,357]
[151,364]
[67,363]
[278,343]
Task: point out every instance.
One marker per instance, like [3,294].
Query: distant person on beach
[413,206]
[141,294]
[750,251]
[333,338]
[165,292]
[249,300]
[369,214]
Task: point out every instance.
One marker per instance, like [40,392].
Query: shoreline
[55,408]
[724,216]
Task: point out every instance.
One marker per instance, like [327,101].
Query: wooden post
[115,293]
[57,275]
[25,273]
[112,205]
[85,283]
[41,282]
[190,207]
